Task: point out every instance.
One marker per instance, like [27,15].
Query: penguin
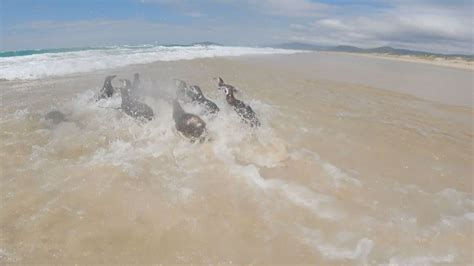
[245,112]
[190,125]
[107,90]
[184,93]
[199,98]
[132,107]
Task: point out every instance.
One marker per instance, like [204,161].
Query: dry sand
[454,62]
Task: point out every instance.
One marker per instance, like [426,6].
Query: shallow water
[337,173]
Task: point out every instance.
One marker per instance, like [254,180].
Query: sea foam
[57,64]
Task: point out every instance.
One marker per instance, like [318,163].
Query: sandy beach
[458,63]
[359,160]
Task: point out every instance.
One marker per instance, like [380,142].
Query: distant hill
[206,43]
[347,48]
[395,51]
[379,50]
[301,46]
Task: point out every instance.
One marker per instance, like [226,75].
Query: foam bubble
[361,250]
[315,239]
[323,206]
[339,176]
[469,216]
[8,257]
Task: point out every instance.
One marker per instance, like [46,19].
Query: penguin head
[180,84]
[195,90]
[125,89]
[110,78]
[228,89]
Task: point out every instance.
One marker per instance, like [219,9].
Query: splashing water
[103,187]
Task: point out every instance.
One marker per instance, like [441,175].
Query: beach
[437,60]
[358,160]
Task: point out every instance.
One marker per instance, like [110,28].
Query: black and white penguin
[107,90]
[132,107]
[184,93]
[190,125]
[199,98]
[244,111]
[194,94]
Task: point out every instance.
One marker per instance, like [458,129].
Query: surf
[36,64]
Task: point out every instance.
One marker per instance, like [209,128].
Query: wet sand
[345,169]
[436,83]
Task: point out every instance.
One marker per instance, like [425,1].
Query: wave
[46,51]
[36,64]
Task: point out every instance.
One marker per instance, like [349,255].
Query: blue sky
[431,25]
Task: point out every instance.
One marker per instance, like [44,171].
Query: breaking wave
[44,63]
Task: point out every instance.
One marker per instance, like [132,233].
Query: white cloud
[417,26]
[333,24]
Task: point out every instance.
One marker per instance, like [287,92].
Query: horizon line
[211,43]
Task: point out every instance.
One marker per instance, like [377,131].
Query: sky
[444,26]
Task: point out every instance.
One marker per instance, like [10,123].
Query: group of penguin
[189,125]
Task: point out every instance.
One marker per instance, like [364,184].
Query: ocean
[343,169]
[41,63]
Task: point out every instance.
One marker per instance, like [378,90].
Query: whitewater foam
[57,64]
[315,239]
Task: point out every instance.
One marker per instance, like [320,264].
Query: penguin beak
[110,78]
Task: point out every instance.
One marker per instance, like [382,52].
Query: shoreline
[436,61]
[423,81]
